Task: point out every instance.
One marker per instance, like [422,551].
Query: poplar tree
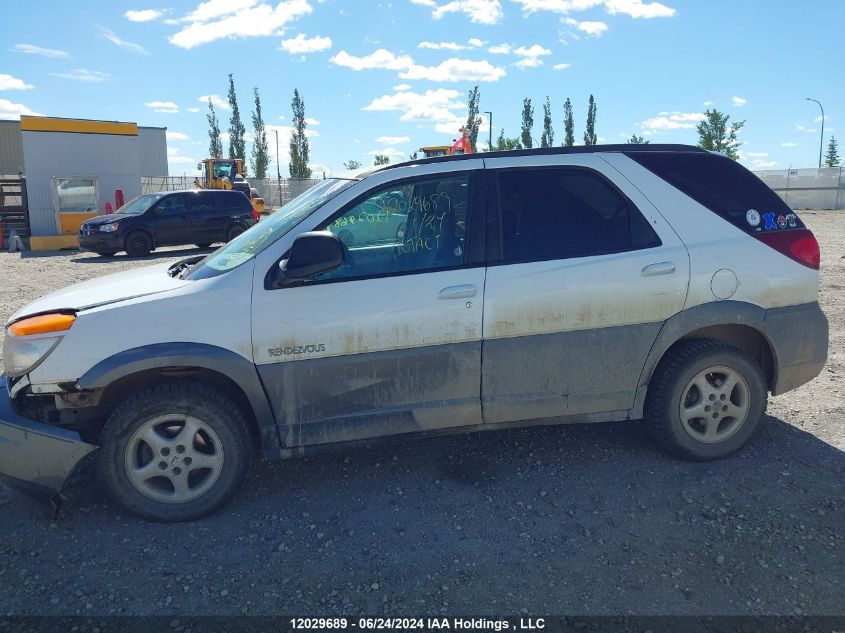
[215,144]
[527,123]
[260,150]
[473,117]
[590,137]
[548,137]
[237,145]
[568,124]
[298,141]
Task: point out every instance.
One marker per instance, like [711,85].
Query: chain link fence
[808,188]
[276,193]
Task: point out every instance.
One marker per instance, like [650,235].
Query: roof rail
[545,151]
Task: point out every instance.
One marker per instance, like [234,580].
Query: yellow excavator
[227,173]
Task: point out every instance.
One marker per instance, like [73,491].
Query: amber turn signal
[42,324]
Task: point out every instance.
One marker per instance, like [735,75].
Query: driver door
[390,342]
[169,220]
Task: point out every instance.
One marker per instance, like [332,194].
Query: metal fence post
[838,188]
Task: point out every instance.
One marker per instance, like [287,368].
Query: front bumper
[36,458]
[101,242]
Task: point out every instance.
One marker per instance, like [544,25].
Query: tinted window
[724,186]
[172,205]
[232,200]
[414,226]
[557,213]
[201,203]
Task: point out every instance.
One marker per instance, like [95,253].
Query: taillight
[800,245]
[255,215]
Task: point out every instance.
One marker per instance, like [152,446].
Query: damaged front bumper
[36,458]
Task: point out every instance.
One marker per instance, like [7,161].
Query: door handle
[658,268]
[458,292]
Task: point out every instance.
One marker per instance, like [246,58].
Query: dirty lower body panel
[36,458]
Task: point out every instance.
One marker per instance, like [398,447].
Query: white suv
[656,283]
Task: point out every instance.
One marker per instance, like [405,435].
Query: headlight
[108,228]
[30,340]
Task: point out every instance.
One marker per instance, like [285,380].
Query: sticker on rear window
[753,217]
[792,220]
[782,221]
[770,220]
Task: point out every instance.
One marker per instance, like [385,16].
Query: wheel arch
[140,229]
[131,370]
[734,322]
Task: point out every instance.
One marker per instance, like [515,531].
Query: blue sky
[389,77]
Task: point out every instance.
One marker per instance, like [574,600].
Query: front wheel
[706,400]
[175,452]
[138,244]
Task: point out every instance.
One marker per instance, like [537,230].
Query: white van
[655,283]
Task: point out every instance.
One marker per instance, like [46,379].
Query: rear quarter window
[234,200]
[724,186]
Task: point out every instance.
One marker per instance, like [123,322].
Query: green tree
[637,140]
[527,123]
[237,145]
[352,165]
[715,135]
[381,159]
[590,137]
[505,143]
[473,117]
[412,156]
[215,144]
[568,124]
[831,159]
[260,149]
[298,141]
[548,137]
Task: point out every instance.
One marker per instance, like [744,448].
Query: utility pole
[821,142]
[278,171]
[490,141]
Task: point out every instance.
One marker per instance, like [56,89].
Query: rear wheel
[706,400]
[138,244]
[176,452]
[234,231]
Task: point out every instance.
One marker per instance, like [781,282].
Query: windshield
[139,204]
[254,240]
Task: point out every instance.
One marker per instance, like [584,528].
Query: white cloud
[633,8]
[175,157]
[478,11]
[757,154]
[380,58]
[738,101]
[708,103]
[789,144]
[285,132]
[436,105]
[219,19]
[802,128]
[217,101]
[818,119]
[449,46]
[10,110]
[82,74]
[7,82]
[143,15]
[311,121]
[192,109]
[500,49]
[301,44]
[165,107]
[531,55]
[30,49]
[764,164]
[177,136]
[561,66]
[592,29]
[392,140]
[671,121]
[400,87]
[454,69]
[475,42]
[121,43]
[392,152]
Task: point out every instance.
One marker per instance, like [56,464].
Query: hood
[108,219]
[104,290]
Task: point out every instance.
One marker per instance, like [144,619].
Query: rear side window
[234,200]
[201,203]
[725,187]
[558,213]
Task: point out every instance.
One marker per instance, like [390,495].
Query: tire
[147,429]
[106,253]
[204,245]
[681,411]
[233,231]
[138,244]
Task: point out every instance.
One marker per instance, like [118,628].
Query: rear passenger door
[583,275]
[203,212]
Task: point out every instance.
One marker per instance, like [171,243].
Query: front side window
[414,226]
[558,213]
[172,205]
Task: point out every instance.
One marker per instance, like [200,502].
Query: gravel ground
[578,519]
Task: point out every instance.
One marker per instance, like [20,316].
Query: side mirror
[312,253]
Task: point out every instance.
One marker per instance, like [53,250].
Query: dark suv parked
[199,217]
